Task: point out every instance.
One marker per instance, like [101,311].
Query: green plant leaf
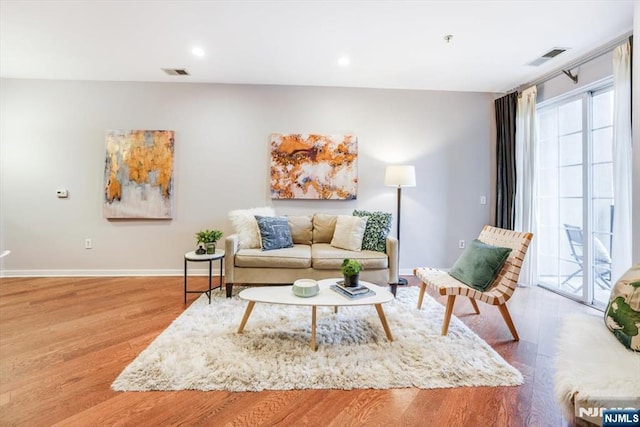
[350,267]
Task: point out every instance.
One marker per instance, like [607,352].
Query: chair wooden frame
[500,290]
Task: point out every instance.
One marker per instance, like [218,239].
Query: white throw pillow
[349,232]
[601,252]
[246,227]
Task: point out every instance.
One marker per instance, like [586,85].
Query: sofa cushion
[299,256]
[246,226]
[301,229]
[323,227]
[378,228]
[349,232]
[326,257]
[274,232]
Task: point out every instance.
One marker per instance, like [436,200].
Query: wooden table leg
[383,319]
[313,328]
[247,313]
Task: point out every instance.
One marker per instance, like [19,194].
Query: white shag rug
[592,365]
[201,350]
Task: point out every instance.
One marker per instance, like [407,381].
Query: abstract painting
[138,174]
[314,166]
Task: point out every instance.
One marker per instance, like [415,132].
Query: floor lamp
[400,176]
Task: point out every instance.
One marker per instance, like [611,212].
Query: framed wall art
[313,166]
[138,174]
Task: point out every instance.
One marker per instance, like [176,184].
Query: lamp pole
[398,210]
[401,280]
[400,176]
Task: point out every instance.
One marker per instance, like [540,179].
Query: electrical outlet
[88,244]
[462,244]
[483,200]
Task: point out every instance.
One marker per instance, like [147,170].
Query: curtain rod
[590,56]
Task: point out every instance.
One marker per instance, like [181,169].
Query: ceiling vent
[176,71]
[554,52]
[547,56]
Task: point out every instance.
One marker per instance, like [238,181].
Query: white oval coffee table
[326,297]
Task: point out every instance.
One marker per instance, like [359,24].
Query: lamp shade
[400,176]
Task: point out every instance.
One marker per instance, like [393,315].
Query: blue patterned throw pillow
[378,228]
[274,232]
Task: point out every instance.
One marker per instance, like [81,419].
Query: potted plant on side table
[209,238]
[351,271]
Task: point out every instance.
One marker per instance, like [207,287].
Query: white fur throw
[246,226]
[592,365]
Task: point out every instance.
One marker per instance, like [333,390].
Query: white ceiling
[391,44]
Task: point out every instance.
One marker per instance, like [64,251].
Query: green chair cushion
[479,264]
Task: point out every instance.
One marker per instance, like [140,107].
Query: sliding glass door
[575,195]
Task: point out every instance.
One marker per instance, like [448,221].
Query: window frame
[585,94]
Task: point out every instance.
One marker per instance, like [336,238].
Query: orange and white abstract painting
[138,174]
[314,166]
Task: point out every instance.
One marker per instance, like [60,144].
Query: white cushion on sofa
[246,226]
[349,232]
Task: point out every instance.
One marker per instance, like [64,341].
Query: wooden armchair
[500,290]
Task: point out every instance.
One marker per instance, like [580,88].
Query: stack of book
[352,292]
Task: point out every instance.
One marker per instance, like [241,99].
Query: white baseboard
[106,273]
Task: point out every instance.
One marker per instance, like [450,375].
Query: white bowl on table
[305,288]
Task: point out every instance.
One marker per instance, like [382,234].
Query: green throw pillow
[622,315]
[377,230]
[479,264]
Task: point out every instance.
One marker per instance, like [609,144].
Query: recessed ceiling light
[197,51]
[343,61]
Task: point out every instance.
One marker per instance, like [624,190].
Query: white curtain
[526,187]
[622,169]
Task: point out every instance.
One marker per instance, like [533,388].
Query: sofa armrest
[230,250]
[392,253]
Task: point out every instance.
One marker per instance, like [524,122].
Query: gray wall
[53,137]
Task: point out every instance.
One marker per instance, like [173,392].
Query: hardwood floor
[64,340]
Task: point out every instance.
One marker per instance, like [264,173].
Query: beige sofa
[312,256]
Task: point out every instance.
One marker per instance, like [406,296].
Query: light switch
[62,194]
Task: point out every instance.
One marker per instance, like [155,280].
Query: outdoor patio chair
[602,259]
[500,289]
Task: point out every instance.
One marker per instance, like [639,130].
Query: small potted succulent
[208,238]
[351,271]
